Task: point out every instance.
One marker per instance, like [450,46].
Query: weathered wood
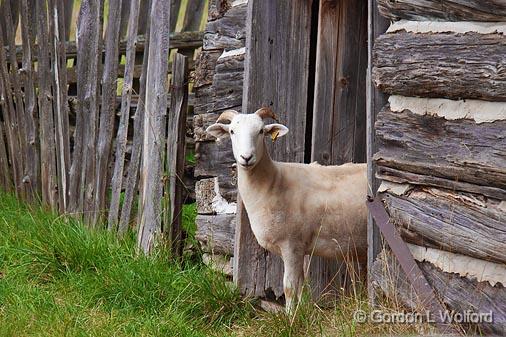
[82,171]
[174,13]
[68,9]
[402,177]
[126,98]
[214,158]
[218,8]
[206,188]
[177,40]
[449,65]
[458,293]
[227,31]
[176,153]
[108,111]
[449,10]
[60,102]
[276,75]
[135,158]
[216,232]
[375,101]
[459,150]
[204,69]
[49,180]
[154,127]
[430,216]
[18,113]
[9,8]
[5,173]
[339,119]
[226,89]
[192,20]
[339,103]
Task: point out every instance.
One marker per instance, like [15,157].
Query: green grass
[58,278]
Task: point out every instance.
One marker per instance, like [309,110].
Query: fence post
[176,152]
[154,126]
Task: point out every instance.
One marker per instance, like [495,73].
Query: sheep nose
[246,158]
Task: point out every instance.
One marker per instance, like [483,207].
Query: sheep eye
[261,131]
[231,132]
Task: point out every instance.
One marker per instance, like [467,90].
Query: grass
[58,278]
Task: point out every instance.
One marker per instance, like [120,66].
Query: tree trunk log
[429,217]
[458,293]
[448,10]
[447,65]
[459,150]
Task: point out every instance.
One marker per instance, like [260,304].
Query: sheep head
[247,132]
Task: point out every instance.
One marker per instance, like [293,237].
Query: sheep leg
[293,277]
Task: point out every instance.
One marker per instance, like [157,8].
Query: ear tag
[274,135]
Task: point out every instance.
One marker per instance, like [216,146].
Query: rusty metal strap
[408,264]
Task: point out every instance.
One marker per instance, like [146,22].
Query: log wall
[442,138]
[218,79]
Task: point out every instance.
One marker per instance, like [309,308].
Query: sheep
[295,209]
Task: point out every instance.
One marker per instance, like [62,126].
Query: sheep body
[296,209]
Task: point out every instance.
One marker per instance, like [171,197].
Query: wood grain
[428,217]
[458,150]
[448,10]
[448,65]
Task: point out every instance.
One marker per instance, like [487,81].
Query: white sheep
[295,209]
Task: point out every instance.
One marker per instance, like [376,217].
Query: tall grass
[58,278]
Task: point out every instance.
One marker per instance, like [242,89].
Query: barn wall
[442,149]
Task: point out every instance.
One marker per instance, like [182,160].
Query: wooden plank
[126,99]
[276,75]
[449,10]
[68,9]
[60,102]
[107,113]
[81,180]
[448,65]
[339,103]
[429,216]
[460,150]
[18,111]
[339,118]
[216,232]
[132,180]
[376,25]
[49,180]
[175,6]
[10,8]
[32,171]
[460,294]
[177,40]
[192,20]
[176,145]
[154,127]
[5,173]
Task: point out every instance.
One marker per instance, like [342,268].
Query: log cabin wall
[218,86]
[441,155]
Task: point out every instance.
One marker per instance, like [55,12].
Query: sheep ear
[218,130]
[275,130]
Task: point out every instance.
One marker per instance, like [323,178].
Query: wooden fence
[79,118]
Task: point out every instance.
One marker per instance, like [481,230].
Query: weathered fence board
[227,31]
[47,141]
[459,150]
[176,153]
[154,127]
[107,111]
[449,65]
[132,181]
[276,75]
[126,98]
[60,102]
[448,10]
[429,216]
